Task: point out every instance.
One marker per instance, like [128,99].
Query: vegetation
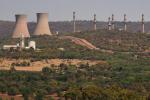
[99,82]
[124,77]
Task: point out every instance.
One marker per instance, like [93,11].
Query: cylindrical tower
[112,22]
[42,27]
[21,27]
[109,23]
[125,22]
[143,24]
[95,27]
[74,22]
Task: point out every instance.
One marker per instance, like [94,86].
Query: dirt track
[80,41]
[85,43]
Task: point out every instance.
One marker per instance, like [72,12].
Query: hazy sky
[62,9]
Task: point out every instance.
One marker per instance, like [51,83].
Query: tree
[39,96]
[73,94]
[12,91]
[25,91]
[46,70]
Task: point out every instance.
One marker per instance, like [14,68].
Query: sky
[61,10]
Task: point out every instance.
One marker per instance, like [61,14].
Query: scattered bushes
[24,63]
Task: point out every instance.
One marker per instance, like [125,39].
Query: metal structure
[112,22]
[95,26]
[109,23]
[20,27]
[125,22]
[42,27]
[143,24]
[74,22]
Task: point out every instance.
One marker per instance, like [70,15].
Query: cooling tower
[21,27]
[42,27]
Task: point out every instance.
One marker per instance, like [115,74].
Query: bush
[12,91]
[25,91]
[46,70]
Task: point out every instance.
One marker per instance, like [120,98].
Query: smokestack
[20,27]
[95,27]
[42,27]
[112,22]
[74,22]
[125,22]
[143,25]
[109,23]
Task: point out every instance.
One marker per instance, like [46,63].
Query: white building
[32,44]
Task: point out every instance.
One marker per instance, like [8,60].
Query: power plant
[20,27]
[42,27]
[21,45]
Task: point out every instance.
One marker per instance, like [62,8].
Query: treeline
[55,53]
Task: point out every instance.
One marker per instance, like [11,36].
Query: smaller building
[32,44]
[8,47]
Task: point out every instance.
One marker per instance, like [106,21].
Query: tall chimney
[95,27]
[21,27]
[125,22]
[109,23]
[143,25]
[42,27]
[74,22]
[112,22]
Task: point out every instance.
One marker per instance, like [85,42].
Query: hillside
[116,41]
[6,27]
[65,68]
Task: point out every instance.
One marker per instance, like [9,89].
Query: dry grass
[5,64]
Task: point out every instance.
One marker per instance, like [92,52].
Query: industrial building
[21,44]
[42,27]
[20,27]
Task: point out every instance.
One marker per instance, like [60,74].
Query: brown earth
[7,97]
[85,43]
[5,64]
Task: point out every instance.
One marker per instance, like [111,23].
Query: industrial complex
[42,28]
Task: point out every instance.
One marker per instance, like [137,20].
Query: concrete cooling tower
[42,27]
[21,27]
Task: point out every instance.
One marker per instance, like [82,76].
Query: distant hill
[6,27]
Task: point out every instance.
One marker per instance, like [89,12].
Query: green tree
[12,91]
[25,91]
[46,70]
[39,96]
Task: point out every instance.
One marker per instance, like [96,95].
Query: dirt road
[81,42]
